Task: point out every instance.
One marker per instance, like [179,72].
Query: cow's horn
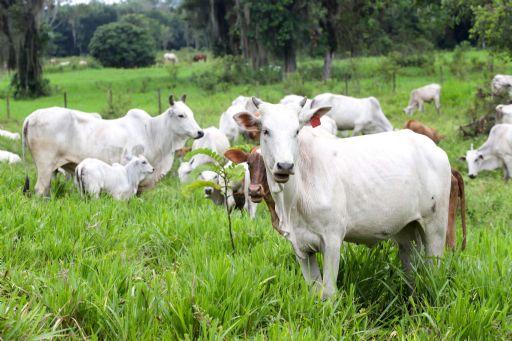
[171,100]
[471,146]
[183,98]
[256,101]
[303,102]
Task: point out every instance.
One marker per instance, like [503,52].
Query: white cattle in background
[9,157]
[214,140]
[504,113]
[93,176]
[364,189]
[65,63]
[60,137]
[82,62]
[9,135]
[501,84]
[227,125]
[362,115]
[425,94]
[171,57]
[326,123]
[495,153]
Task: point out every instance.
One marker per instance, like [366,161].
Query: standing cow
[428,93]
[365,189]
[60,137]
[171,58]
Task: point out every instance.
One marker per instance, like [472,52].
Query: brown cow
[457,196]
[422,129]
[199,56]
[258,188]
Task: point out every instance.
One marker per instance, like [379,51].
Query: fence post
[8,106]
[159,96]
[65,99]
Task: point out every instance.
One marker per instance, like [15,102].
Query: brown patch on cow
[422,129]
[182,152]
[457,199]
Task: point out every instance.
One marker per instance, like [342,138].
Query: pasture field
[161,265]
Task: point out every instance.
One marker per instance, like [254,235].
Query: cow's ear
[236,155]
[171,100]
[248,122]
[183,98]
[313,116]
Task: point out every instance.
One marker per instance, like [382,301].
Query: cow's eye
[297,132]
[266,132]
[144,162]
[181,116]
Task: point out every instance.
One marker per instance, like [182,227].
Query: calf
[496,152]
[258,187]
[457,199]
[93,176]
[422,129]
[428,93]
[504,113]
[9,157]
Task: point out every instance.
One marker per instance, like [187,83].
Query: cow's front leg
[310,269]
[331,252]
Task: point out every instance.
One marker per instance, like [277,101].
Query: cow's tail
[26,186]
[79,179]
[462,198]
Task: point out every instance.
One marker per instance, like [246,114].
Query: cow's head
[279,127]
[258,188]
[475,160]
[409,109]
[182,121]
[141,165]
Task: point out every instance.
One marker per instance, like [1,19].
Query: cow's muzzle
[200,134]
[472,176]
[256,193]
[283,171]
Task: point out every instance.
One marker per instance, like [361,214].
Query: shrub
[460,64]
[123,45]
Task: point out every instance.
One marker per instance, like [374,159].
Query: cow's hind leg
[310,269]
[44,180]
[437,103]
[409,244]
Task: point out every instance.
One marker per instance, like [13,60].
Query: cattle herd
[320,189]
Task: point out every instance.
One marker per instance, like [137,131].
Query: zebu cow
[501,84]
[496,152]
[59,137]
[504,113]
[170,57]
[362,115]
[365,189]
[214,140]
[421,128]
[428,93]
[326,123]
[227,125]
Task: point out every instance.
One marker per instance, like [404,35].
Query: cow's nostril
[284,166]
[200,134]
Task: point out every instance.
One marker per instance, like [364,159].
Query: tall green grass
[161,265]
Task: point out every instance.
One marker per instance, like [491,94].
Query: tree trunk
[329,56]
[290,62]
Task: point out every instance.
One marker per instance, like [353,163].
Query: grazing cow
[362,115]
[82,62]
[228,126]
[326,123]
[93,176]
[199,56]
[421,128]
[457,198]
[9,157]
[428,93]
[258,187]
[60,137]
[365,189]
[170,57]
[504,113]
[65,63]
[501,84]
[496,152]
[9,135]
[214,140]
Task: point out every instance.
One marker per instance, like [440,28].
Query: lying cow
[214,140]
[9,135]
[93,176]
[326,123]
[362,115]
[60,137]
[501,84]
[422,129]
[9,157]
[496,152]
[226,123]
[363,189]
[428,93]
[504,113]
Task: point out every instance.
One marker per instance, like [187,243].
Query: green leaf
[197,184]
[208,152]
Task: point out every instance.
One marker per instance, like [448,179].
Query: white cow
[170,57]
[362,115]
[213,139]
[9,135]
[428,93]
[504,113]
[82,62]
[501,83]
[496,152]
[93,176]
[326,123]
[65,63]
[9,157]
[365,189]
[227,125]
[59,137]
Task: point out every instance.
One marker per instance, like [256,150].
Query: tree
[493,25]
[123,45]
